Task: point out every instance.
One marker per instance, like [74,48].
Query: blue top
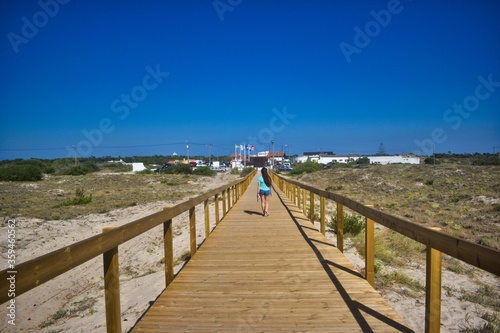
[263,185]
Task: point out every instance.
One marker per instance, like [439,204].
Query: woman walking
[264,191]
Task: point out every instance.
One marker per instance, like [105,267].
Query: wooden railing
[33,273]
[436,242]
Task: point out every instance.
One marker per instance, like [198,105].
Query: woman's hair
[267,178]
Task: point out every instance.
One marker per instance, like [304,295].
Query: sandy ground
[456,314]
[142,276]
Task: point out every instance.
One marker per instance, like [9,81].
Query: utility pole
[74,150]
[272,164]
[187,148]
[209,153]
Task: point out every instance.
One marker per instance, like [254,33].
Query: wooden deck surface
[269,274]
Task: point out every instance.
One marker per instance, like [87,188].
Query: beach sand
[80,293]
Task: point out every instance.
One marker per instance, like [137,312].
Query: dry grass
[45,199]
[463,200]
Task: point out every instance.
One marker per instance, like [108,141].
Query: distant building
[404,159]
[389,159]
[277,156]
[314,153]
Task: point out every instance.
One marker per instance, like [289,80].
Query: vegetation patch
[246,171]
[76,309]
[485,295]
[445,195]
[204,171]
[491,323]
[353,223]
[55,317]
[397,278]
[306,167]
[16,172]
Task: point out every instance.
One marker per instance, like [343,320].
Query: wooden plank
[269,274]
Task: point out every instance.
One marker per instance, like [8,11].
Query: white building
[392,159]
[404,159]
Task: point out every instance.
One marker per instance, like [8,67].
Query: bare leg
[263,203]
[266,205]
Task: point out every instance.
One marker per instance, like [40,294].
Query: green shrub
[398,278]
[246,171]
[363,160]
[117,167]
[484,295]
[82,169]
[429,182]
[22,172]
[353,223]
[145,172]
[52,319]
[178,169]
[83,200]
[44,166]
[431,160]
[306,167]
[79,199]
[235,171]
[204,171]
[334,188]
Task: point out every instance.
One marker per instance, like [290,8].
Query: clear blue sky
[126,78]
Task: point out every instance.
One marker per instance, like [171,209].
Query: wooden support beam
[433,289]
[217,213]
[168,252]
[370,250]
[207,218]
[112,289]
[323,215]
[224,205]
[192,231]
[340,227]
[304,200]
[311,207]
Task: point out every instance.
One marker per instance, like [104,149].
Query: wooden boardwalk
[269,274]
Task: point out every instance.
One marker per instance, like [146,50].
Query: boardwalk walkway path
[269,274]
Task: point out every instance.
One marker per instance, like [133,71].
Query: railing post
[192,231]
[340,227]
[433,290]
[207,219]
[168,252]
[224,203]
[311,207]
[112,289]
[298,198]
[294,196]
[323,215]
[370,250]
[217,213]
[304,199]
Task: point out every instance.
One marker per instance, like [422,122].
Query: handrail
[436,242]
[37,271]
[477,255]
